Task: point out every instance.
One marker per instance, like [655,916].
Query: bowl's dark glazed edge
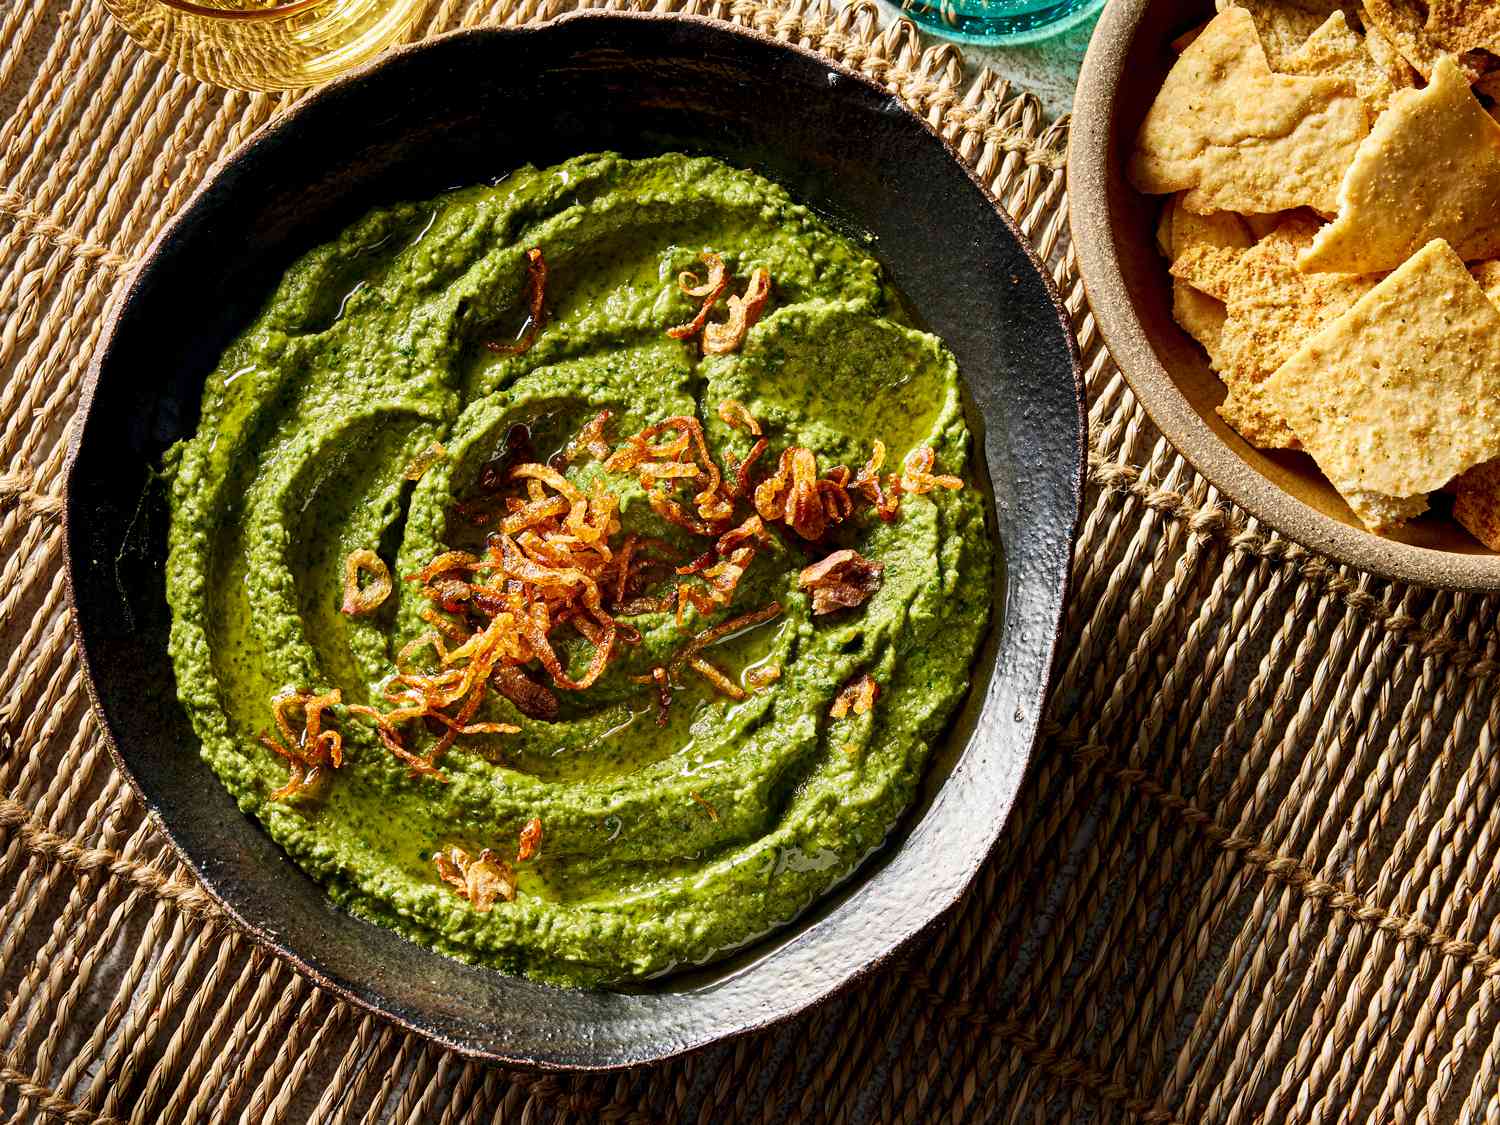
[350,991]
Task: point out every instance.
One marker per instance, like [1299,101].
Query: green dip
[663,846]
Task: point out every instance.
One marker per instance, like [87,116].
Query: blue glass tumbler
[1000,22]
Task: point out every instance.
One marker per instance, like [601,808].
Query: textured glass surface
[1000,21]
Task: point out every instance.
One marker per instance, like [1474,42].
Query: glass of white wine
[264,44]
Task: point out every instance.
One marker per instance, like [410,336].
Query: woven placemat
[1252,877]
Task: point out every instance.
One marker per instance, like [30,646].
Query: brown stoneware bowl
[1131,294]
[463,109]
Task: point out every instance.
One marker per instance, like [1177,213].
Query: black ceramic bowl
[466,108]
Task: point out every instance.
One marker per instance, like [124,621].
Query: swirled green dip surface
[662,845]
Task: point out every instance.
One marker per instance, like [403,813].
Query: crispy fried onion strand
[481,880]
[734,414]
[310,750]
[590,439]
[708,291]
[536,312]
[549,566]
[531,839]
[721,339]
[843,580]
[689,653]
[418,466]
[858,696]
[917,476]
[793,495]
[366,599]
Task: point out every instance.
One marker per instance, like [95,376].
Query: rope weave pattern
[1253,876]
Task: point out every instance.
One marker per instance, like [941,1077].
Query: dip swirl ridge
[663,845]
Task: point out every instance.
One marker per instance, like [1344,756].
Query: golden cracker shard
[1237,137]
[1401,393]
[1429,169]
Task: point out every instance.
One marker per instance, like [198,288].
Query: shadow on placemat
[1252,877]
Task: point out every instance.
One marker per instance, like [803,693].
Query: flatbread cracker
[1336,51]
[1401,393]
[1465,25]
[1201,317]
[1425,32]
[1430,169]
[1284,25]
[1237,137]
[1401,73]
[1272,308]
[1220,228]
[1476,503]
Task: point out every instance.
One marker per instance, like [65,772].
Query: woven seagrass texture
[1252,876]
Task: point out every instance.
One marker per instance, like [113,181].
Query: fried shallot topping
[481,880]
[721,339]
[590,439]
[762,676]
[793,494]
[548,568]
[734,414]
[531,698]
[708,291]
[843,580]
[858,697]
[917,476]
[713,813]
[531,839]
[552,569]
[536,312]
[425,460]
[310,750]
[663,694]
[887,500]
[367,598]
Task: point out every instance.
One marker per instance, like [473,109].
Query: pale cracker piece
[1445,28]
[1476,503]
[1284,25]
[1384,513]
[1272,309]
[1200,314]
[1338,52]
[1207,268]
[1403,26]
[1430,169]
[1401,393]
[1401,74]
[1246,412]
[1219,228]
[1465,25]
[1240,138]
[1201,317]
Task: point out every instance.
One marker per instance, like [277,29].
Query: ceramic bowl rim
[346,990]
[1130,343]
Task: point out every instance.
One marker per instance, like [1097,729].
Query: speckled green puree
[663,845]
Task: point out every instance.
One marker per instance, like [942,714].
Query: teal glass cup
[1000,22]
